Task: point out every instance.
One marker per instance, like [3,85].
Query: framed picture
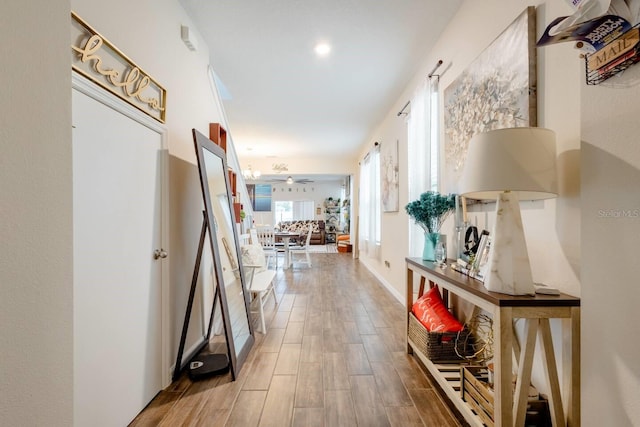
[497,90]
[389,176]
[262,198]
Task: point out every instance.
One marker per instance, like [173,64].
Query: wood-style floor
[334,355]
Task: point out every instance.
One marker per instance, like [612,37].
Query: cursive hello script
[134,81]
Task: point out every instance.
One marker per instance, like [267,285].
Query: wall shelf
[613,58]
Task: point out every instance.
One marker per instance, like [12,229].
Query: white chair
[259,280]
[253,235]
[267,240]
[302,248]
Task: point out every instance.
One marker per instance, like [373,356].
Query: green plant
[431,210]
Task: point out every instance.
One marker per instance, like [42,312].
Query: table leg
[503,336]
[287,258]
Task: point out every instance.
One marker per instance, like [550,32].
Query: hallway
[334,355]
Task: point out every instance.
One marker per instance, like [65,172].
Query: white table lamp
[509,165]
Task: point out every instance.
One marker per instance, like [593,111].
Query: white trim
[92,90]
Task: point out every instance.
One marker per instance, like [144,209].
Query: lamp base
[509,270]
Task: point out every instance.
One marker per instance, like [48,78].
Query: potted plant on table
[429,212]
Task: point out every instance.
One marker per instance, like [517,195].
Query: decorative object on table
[389,176]
[498,90]
[523,167]
[429,212]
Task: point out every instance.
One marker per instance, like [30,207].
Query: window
[290,210]
[370,204]
[423,146]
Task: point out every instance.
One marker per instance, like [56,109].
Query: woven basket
[438,346]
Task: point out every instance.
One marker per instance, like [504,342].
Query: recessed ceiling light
[322,49]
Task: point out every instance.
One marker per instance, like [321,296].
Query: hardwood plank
[366,401]
[350,332]
[301,300]
[309,389]
[286,303]
[272,341]
[308,417]
[365,325]
[212,417]
[278,406]
[375,348]
[405,416]
[298,314]
[339,410]
[157,409]
[261,371]
[357,360]
[288,359]
[330,320]
[431,409]
[311,349]
[313,324]
[190,404]
[335,375]
[409,371]
[294,333]
[333,340]
[388,380]
[248,408]
[280,320]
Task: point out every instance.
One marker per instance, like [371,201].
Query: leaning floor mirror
[223,237]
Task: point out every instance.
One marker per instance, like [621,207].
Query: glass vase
[430,242]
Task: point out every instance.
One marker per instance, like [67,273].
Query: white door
[117,165]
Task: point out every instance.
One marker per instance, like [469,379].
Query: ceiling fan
[290,180]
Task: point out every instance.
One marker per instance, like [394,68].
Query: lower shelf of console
[447,376]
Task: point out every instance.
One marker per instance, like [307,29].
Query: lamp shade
[521,160]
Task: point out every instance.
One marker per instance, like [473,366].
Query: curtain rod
[431,74]
[434,69]
[401,112]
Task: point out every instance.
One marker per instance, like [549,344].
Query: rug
[323,249]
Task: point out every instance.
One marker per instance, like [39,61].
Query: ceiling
[281,99]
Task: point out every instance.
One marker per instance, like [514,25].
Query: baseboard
[393,291]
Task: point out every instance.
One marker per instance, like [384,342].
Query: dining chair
[267,240]
[302,248]
[259,280]
[253,236]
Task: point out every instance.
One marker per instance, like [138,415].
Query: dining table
[286,237]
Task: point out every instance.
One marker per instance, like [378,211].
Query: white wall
[552,227]
[553,232]
[610,162]
[36,254]
[149,33]
[314,191]
[36,264]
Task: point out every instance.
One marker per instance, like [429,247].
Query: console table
[509,408]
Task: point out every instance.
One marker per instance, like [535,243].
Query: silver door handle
[160,253]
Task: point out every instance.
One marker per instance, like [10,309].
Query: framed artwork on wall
[263,198]
[497,90]
[389,176]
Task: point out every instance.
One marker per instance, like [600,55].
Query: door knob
[159,253]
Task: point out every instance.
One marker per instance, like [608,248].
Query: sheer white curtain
[303,209]
[422,126]
[370,207]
